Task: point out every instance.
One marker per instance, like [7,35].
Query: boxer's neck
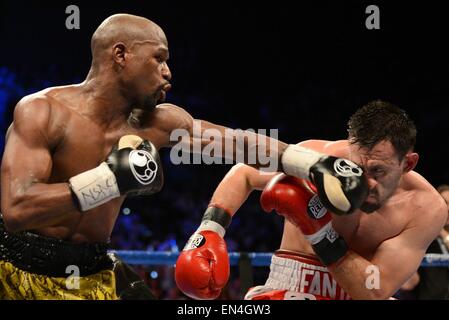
[106,101]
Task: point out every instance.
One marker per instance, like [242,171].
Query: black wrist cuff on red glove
[330,252]
[217,215]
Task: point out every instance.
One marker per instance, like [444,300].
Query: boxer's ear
[118,53]
[410,161]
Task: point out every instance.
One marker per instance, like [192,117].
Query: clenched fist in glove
[296,200]
[133,167]
[202,269]
[340,183]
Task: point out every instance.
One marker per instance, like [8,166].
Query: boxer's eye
[160,59]
[378,171]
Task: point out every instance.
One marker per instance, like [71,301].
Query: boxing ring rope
[245,261]
[257,259]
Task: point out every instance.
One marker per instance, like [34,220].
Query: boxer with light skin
[73,154]
[444,234]
[434,284]
[324,255]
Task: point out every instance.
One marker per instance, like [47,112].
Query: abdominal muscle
[93,226]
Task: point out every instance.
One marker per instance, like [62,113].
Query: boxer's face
[383,169]
[148,74]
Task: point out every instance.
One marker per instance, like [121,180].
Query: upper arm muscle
[399,257]
[27,158]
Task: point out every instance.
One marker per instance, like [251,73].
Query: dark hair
[442,188]
[380,120]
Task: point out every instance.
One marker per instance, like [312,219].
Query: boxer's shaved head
[132,52]
[128,29]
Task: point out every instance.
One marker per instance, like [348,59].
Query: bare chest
[365,232]
[85,145]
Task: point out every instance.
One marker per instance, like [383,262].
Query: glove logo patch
[143,166]
[195,241]
[331,235]
[346,168]
[315,208]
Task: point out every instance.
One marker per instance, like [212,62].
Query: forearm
[239,146]
[232,191]
[39,206]
[360,278]
[259,151]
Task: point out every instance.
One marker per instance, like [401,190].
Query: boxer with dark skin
[60,132]
[60,136]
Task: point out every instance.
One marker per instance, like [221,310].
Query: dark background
[303,69]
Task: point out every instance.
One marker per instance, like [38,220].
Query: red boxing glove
[202,269]
[296,200]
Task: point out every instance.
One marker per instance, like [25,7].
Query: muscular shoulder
[428,206]
[32,112]
[33,116]
[339,148]
[44,104]
[173,117]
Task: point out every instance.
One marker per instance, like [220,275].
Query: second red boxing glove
[202,268]
[295,199]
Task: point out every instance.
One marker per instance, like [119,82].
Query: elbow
[387,289]
[381,295]
[13,221]
[371,294]
[242,172]
[11,224]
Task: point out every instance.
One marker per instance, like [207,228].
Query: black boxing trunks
[37,267]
